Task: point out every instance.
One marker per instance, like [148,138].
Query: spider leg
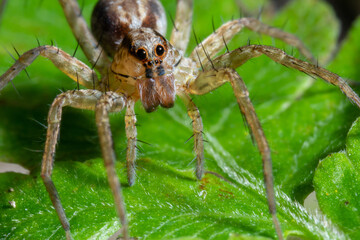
[84,99]
[210,80]
[197,125]
[111,102]
[241,55]
[130,128]
[71,66]
[102,103]
[87,42]
[181,32]
[215,42]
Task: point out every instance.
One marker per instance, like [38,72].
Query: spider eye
[159,50]
[141,54]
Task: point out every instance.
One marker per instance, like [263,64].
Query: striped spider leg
[220,70]
[95,99]
[109,93]
[216,72]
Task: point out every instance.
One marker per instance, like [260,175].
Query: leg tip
[122,234]
[131,175]
[68,235]
[199,173]
[131,181]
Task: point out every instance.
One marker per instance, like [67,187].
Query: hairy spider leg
[215,42]
[197,126]
[212,79]
[241,55]
[224,72]
[72,67]
[93,51]
[180,34]
[102,104]
[111,102]
[130,128]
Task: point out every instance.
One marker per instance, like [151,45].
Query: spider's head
[149,58]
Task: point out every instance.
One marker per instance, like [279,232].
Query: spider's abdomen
[112,19]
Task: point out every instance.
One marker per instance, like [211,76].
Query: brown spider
[149,68]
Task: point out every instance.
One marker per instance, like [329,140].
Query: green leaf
[336,179]
[348,56]
[245,237]
[303,120]
[337,185]
[165,203]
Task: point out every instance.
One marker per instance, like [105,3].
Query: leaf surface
[303,119]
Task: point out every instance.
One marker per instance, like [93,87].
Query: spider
[149,68]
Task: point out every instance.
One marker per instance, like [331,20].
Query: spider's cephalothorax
[144,67]
[144,60]
[112,20]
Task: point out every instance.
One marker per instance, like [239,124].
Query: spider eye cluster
[141,54]
[159,50]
